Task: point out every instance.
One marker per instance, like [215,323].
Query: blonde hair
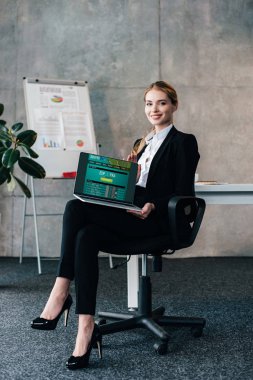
[172,95]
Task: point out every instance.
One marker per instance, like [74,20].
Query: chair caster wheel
[161,348]
[197,332]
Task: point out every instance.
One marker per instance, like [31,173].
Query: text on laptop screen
[106,177]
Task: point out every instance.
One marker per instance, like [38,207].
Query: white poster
[59,121]
[60,112]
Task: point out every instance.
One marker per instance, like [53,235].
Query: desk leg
[133,281]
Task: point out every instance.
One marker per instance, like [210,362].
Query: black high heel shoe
[50,324]
[78,362]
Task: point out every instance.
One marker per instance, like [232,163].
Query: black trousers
[85,227]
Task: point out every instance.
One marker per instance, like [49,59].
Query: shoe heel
[66,317]
[99,347]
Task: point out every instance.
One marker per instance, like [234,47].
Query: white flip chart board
[60,112]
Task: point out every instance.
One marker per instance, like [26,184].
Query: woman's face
[159,109]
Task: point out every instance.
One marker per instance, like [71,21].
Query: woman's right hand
[133,158]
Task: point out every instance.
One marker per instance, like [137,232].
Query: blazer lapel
[160,152]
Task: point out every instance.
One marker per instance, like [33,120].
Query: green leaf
[4,174]
[10,157]
[2,122]
[27,137]
[29,151]
[23,187]
[31,167]
[3,128]
[2,149]
[4,136]
[7,144]
[1,109]
[16,127]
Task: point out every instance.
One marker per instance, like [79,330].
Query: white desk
[224,194]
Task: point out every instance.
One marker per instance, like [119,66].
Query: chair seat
[151,246]
[137,246]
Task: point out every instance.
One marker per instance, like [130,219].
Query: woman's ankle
[61,286]
[56,299]
[84,334]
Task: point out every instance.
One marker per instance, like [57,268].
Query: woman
[167,160]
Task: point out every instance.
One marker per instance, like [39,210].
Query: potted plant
[12,144]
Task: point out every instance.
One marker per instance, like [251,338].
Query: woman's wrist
[152,206]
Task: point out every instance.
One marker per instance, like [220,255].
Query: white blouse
[153,141]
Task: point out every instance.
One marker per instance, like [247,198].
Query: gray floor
[219,289]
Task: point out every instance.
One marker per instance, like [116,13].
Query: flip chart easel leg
[23,225]
[110,261]
[35,227]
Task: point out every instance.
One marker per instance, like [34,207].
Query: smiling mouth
[156,116]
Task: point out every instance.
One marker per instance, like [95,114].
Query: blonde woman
[167,160]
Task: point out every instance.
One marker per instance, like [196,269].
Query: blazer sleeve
[185,158]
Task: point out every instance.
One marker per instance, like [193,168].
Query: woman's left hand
[145,211]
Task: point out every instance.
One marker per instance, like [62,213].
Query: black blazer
[172,170]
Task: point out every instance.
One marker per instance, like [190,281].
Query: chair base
[151,320]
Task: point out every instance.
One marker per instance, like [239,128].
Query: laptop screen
[104,177]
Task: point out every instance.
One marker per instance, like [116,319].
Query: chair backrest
[189,210]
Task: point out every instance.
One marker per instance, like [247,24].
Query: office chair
[193,209]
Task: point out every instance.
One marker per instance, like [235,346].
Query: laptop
[106,181]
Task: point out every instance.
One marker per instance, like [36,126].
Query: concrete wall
[203,47]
